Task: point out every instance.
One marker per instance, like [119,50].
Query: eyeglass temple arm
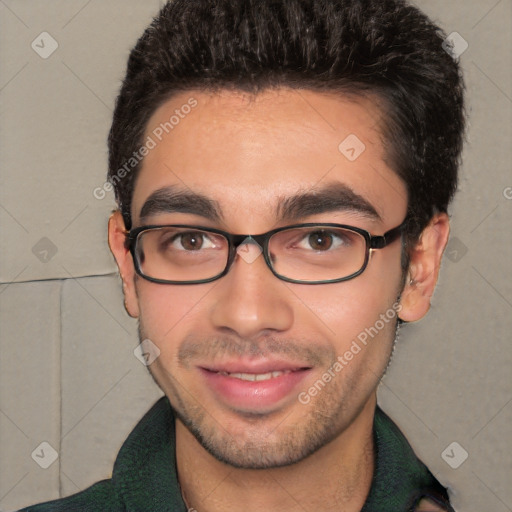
[379,242]
[127,240]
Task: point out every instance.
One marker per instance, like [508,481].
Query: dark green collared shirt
[145,478]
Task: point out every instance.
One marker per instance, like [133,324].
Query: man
[283,171]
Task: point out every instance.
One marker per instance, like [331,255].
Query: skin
[248,153]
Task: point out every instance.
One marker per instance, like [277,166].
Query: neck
[336,477]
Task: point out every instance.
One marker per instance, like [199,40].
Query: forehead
[251,152]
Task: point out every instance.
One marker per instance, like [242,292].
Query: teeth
[253,377]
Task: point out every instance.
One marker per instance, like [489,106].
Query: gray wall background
[68,374]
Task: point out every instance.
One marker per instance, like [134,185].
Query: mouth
[255,377]
[253,387]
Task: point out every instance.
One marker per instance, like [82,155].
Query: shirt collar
[145,470]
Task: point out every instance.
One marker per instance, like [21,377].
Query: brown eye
[320,241]
[191,241]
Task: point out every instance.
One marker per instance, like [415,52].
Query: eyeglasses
[301,253]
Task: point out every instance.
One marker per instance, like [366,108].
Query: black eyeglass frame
[234,241]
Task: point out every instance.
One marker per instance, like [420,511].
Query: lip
[253,396]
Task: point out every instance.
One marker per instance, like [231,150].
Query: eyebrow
[171,199]
[331,197]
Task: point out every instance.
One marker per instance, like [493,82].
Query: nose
[250,301]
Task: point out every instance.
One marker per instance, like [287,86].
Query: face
[264,372]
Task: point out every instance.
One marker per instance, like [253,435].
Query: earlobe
[124,260]
[425,262]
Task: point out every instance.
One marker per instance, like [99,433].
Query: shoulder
[427,505]
[100,495]
[401,480]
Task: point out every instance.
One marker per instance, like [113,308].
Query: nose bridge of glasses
[246,247]
[239,240]
[249,247]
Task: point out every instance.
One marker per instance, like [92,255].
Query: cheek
[346,309]
[168,313]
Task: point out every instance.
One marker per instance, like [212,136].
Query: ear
[425,261]
[124,260]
